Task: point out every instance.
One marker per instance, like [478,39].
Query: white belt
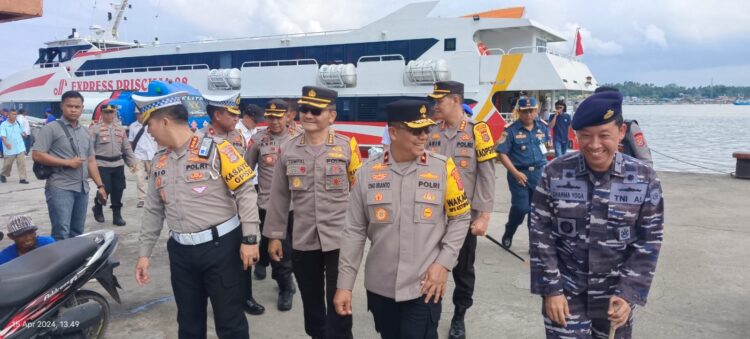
[205,236]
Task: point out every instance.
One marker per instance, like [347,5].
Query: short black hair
[71,94]
[211,110]
[177,113]
[561,103]
[22,111]
[253,111]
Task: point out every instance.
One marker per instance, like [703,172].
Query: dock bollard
[743,165]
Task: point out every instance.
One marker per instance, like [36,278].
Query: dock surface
[699,291]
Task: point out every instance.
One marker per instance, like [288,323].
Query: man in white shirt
[24,121]
[251,116]
[144,149]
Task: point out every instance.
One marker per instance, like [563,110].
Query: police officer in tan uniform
[472,148]
[112,151]
[411,204]
[224,112]
[314,171]
[201,189]
[263,151]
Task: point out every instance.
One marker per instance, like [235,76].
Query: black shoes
[458,328]
[253,308]
[98,214]
[260,272]
[2,178]
[507,240]
[117,218]
[23,182]
[286,293]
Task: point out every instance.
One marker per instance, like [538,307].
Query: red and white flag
[579,44]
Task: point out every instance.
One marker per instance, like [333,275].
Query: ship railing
[380,58]
[539,49]
[277,63]
[47,65]
[94,72]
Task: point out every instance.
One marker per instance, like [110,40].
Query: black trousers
[113,179]
[212,270]
[464,275]
[281,270]
[317,273]
[411,319]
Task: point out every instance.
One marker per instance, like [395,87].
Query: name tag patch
[570,190]
[630,194]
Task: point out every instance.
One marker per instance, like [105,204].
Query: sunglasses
[416,131]
[312,110]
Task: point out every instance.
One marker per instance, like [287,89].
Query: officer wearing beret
[314,172]
[410,203]
[634,143]
[523,152]
[596,229]
[201,188]
[112,151]
[263,152]
[472,148]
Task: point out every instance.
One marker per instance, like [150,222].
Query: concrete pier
[699,291]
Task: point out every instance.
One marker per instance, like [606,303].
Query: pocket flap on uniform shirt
[376,197]
[296,169]
[434,197]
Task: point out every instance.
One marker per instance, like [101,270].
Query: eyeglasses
[312,110]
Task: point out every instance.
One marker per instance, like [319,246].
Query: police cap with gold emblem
[598,109]
[443,88]
[160,94]
[109,109]
[527,102]
[230,102]
[276,108]
[317,97]
[413,113]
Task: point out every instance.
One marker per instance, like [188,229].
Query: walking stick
[505,248]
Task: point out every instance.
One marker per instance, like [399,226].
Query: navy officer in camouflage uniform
[596,229]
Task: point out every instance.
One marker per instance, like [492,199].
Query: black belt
[110,159]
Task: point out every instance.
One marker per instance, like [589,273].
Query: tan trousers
[20,159]
[143,168]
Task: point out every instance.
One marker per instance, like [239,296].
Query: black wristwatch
[250,240]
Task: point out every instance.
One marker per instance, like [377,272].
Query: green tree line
[671,91]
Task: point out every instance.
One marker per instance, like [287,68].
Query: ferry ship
[497,54]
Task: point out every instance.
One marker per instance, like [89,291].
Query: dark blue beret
[598,109]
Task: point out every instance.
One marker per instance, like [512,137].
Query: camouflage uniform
[593,236]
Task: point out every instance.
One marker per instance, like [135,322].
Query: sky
[686,42]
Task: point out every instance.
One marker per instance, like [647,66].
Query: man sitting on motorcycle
[23,233]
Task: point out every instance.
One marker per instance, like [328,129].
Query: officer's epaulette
[377,158]
[438,156]
[341,136]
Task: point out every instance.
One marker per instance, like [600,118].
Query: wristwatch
[250,240]
[99,186]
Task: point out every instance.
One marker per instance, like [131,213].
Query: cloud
[591,44]
[654,35]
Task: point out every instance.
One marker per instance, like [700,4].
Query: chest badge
[566,226]
[381,214]
[296,182]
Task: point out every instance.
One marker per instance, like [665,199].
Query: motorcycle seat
[25,277]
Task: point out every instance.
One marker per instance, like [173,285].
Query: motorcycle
[42,295]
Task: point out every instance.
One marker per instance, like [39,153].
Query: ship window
[541,45]
[449,44]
